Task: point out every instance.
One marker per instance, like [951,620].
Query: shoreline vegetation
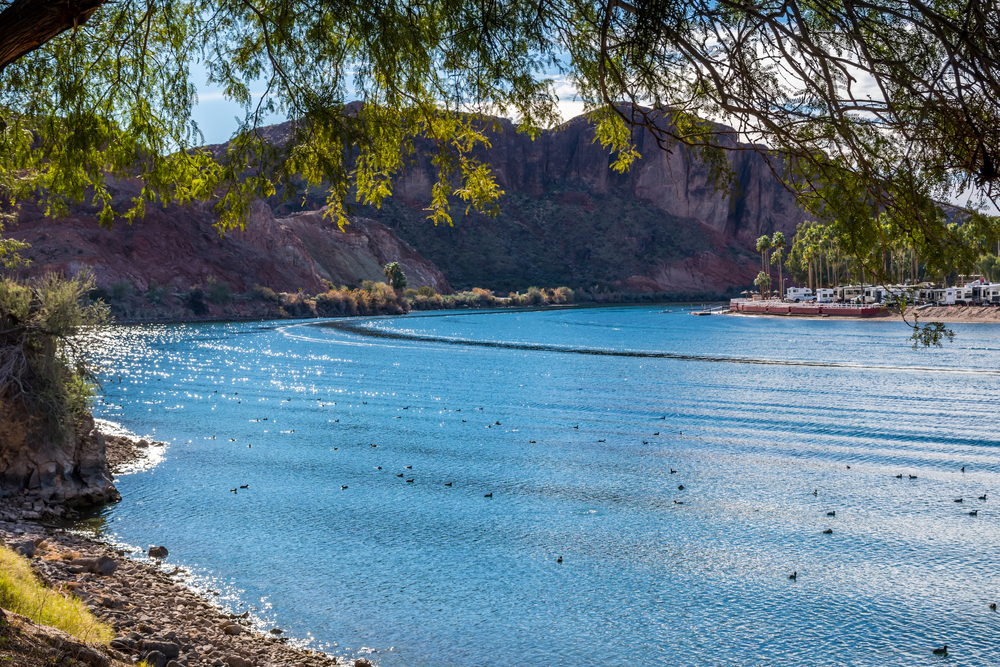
[216,301]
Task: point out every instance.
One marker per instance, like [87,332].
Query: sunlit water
[596,408]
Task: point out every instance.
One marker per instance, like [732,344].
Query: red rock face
[567,219]
[178,247]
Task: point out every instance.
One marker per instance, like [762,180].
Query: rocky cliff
[567,218]
[177,246]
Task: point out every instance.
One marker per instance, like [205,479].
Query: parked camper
[825,295]
[963,295]
[945,296]
[991,293]
[846,293]
[797,294]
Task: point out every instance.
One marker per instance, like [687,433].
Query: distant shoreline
[947,314]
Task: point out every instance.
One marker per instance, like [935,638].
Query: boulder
[236,661]
[25,547]
[155,659]
[168,649]
[158,552]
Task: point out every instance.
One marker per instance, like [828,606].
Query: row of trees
[823,255]
[772,253]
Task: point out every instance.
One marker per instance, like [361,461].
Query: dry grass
[22,593]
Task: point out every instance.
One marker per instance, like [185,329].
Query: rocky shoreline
[156,618]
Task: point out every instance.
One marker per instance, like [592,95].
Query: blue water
[595,407]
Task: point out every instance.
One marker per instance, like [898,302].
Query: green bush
[195,301]
[426,290]
[42,368]
[155,293]
[264,294]
[120,290]
[218,292]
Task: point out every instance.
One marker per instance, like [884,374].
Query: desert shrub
[298,305]
[435,302]
[99,294]
[410,293]
[426,290]
[218,292]
[155,293]
[120,290]
[195,300]
[264,294]
[533,297]
[42,368]
[563,295]
[369,285]
[23,594]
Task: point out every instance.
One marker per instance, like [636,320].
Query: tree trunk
[26,25]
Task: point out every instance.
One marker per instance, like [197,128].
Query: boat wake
[360,328]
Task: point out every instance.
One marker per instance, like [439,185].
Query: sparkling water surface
[596,409]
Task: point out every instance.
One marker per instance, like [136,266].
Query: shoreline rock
[154,617]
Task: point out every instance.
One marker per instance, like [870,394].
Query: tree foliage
[394,273]
[870,112]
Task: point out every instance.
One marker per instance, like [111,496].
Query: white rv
[797,294]
[825,295]
[945,295]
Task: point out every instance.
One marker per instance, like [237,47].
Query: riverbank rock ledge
[41,475]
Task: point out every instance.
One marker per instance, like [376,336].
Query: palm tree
[763,245]
[778,243]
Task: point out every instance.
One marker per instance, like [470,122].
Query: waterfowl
[848,467]
[958,500]
[644,442]
[378,468]
[662,417]
[576,427]
[399,475]
[559,560]
[409,481]
[343,487]
[794,576]
[672,471]
[913,476]
[941,651]
[496,423]
[899,476]
[605,440]
[531,442]
[463,421]
[409,467]
[490,494]
[828,531]
[234,490]
[373,445]
[232,440]
[993,606]
[833,513]
[963,468]
[982,497]
[447,483]
[244,486]
[974,513]
[815,492]
[680,488]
